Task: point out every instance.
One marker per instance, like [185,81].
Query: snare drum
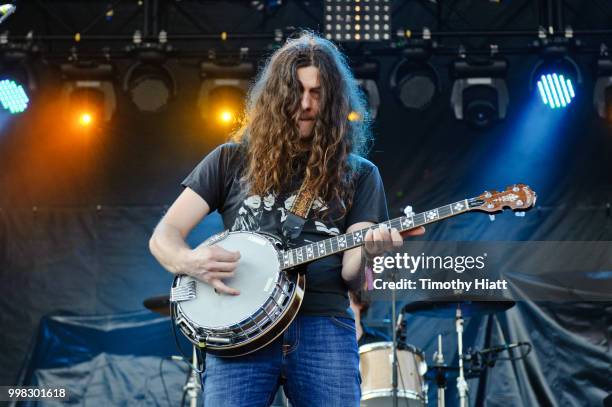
[376,375]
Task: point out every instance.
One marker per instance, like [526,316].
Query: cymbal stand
[462,385]
[440,373]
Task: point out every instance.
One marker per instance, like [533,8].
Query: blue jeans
[317,357]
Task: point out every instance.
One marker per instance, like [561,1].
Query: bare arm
[167,244]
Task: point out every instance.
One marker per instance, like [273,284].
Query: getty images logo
[410,263]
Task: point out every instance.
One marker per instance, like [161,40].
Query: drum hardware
[192,388]
[439,373]
[438,358]
[394,365]
[462,385]
[473,363]
[456,306]
[479,360]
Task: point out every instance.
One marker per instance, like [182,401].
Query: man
[296,135]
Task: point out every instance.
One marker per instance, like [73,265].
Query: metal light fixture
[414,81]
[89,89]
[555,77]
[223,91]
[479,95]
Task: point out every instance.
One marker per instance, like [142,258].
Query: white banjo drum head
[255,278]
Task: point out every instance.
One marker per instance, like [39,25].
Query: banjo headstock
[515,197]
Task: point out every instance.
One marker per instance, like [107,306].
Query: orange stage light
[85,119]
[354,116]
[226,116]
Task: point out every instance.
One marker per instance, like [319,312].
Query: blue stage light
[555,90]
[13,97]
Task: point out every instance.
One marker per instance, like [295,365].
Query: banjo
[227,325]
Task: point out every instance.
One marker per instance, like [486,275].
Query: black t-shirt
[217,179]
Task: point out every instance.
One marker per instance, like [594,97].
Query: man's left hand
[382,239]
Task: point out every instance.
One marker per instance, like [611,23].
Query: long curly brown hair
[270,135]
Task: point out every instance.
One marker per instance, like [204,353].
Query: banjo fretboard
[337,244]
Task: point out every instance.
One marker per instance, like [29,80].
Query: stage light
[223,91]
[555,78]
[479,94]
[354,116]
[150,86]
[86,105]
[88,87]
[85,119]
[355,20]
[602,94]
[366,73]
[13,97]
[555,90]
[6,10]
[414,81]
[17,80]
[223,103]
[227,116]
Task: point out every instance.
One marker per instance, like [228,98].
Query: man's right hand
[211,264]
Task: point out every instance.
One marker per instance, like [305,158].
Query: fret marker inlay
[407,222]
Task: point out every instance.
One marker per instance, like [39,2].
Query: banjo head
[256,277]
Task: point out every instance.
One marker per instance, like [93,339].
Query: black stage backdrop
[76,215]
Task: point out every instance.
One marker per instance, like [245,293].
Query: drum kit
[402,380]
[395,373]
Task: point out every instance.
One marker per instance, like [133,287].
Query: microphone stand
[394,344]
[462,385]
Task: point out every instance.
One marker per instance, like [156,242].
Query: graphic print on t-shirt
[250,214]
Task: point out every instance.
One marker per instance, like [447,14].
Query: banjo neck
[338,244]
[515,197]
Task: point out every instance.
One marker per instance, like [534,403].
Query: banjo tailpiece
[183,292]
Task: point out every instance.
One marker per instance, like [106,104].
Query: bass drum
[376,375]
